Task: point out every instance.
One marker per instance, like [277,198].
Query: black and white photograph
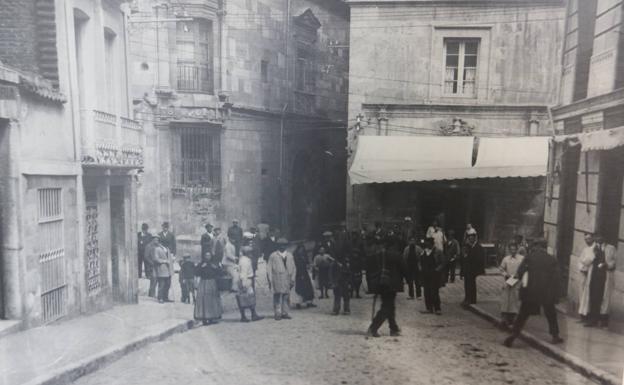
[312,192]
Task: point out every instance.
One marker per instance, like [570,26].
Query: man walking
[540,288]
[472,266]
[385,276]
[281,275]
[411,258]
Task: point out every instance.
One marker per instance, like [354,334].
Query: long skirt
[303,286]
[208,302]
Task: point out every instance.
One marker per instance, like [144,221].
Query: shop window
[196,157]
[460,66]
[194,52]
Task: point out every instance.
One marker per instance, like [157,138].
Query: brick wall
[28,37]
[18,33]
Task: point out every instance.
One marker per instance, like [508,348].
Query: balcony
[111,141]
[194,78]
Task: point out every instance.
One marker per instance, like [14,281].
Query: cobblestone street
[317,348]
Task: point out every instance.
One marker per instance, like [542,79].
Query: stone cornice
[462,3]
[467,108]
[589,105]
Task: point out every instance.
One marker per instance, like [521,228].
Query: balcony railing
[194,78]
[112,141]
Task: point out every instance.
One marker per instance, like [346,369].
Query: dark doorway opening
[118,241]
[453,207]
[610,194]
[567,211]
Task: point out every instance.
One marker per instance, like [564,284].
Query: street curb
[578,365]
[75,370]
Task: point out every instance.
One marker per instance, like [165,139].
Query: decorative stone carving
[457,127]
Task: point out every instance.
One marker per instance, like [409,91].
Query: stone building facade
[584,190]
[482,69]
[242,101]
[69,153]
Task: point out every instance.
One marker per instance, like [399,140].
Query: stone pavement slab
[595,350]
[60,352]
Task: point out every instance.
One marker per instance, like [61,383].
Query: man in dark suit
[144,238]
[235,235]
[385,277]
[432,264]
[540,288]
[167,238]
[472,266]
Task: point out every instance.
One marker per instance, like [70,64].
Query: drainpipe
[12,246]
[281,168]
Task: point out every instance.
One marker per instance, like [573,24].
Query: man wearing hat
[329,244]
[163,263]
[235,235]
[472,266]
[540,289]
[281,275]
[167,238]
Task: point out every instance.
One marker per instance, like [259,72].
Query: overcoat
[168,240]
[543,279]
[586,265]
[281,276]
[163,262]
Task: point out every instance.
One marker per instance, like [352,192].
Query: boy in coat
[281,275]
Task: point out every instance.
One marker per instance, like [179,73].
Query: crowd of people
[382,260]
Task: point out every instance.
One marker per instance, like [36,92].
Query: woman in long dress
[510,294]
[304,291]
[208,307]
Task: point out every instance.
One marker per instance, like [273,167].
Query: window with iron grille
[460,66]
[51,251]
[194,52]
[196,157]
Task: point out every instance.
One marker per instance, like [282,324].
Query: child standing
[246,297]
[187,279]
[322,264]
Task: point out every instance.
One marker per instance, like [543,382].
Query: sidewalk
[61,352]
[598,353]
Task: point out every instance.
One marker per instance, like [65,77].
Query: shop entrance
[118,241]
[453,207]
[610,194]
[567,210]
